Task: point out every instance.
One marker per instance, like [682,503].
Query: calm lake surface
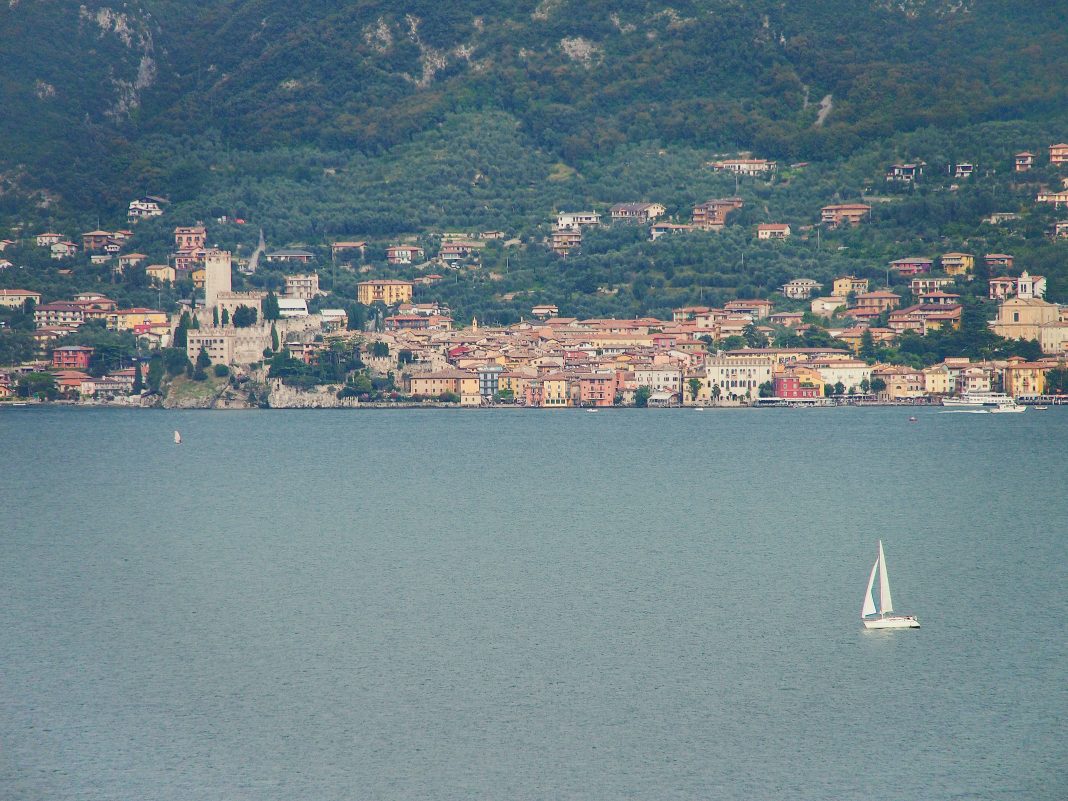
[319,605]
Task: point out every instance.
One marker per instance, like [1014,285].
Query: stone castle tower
[216,276]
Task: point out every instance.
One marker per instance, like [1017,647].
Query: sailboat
[883,617]
[177,438]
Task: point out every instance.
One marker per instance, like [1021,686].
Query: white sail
[886,604]
[869,602]
[177,438]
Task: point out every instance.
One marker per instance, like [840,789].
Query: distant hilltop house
[999,261]
[48,239]
[1056,198]
[147,206]
[712,214]
[905,173]
[386,291]
[912,265]
[1058,154]
[659,229]
[800,288]
[1024,161]
[573,220]
[957,263]
[188,237]
[998,217]
[403,254]
[491,235]
[773,231]
[963,169]
[637,212]
[744,166]
[851,213]
[1060,229]
[564,240]
[1022,286]
[63,250]
[459,249]
[288,254]
[340,249]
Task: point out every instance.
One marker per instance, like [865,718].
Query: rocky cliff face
[283,397]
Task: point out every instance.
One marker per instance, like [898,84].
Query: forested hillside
[378,120]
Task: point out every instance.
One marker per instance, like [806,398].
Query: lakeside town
[812,343]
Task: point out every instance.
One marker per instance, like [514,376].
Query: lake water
[319,605]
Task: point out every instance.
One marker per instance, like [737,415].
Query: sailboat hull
[892,622]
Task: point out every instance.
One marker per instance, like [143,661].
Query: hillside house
[851,213]
[905,173]
[661,228]
[757,308]
[48,239]
[95,240]
[957,263]
[1056,198]
[1024,161]
[143,207]
[637,212]
[800,288]
[999,261]
[63,250]
[460,250]
[403,254]
[848,285]
[159,274]
[545,310]
[14,298]
[1058,154]
[912,265]
[565,240]
[386,291]
[872,304]
[131,260]
[963,170]
[712,214]
[921,286]
[290,255]
[304,286]
[190,237]
[773,231]
[750,167]
[345,249]
[574,220]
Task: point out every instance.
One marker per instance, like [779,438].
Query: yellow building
[198,276]
[388,292]
[937,380]
[160,274]
[1024,378]
[129,319]
[842,287]
[957,263]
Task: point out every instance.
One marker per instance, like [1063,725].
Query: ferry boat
[975,400]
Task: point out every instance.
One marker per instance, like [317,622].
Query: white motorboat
[883,617]
[1008,408]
